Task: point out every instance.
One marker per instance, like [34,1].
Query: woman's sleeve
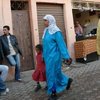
[61,45]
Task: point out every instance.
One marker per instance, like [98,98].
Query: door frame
[31,29]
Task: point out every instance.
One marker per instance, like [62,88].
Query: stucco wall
[5,14]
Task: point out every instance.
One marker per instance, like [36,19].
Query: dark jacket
[1,53]
[5,45]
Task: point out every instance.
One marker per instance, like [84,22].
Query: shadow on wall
[1,31]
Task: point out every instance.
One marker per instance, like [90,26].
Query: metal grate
[19,5]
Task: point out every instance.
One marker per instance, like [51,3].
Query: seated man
[3,76]
[11,52]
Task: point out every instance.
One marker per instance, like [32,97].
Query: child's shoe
[53,97]
[38,87]
[69,83]
[46,88]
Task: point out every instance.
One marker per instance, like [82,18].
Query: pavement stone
[86,84]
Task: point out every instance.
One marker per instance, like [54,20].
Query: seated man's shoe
[19,80]
[5,92]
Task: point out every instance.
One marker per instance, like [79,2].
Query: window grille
[19,5]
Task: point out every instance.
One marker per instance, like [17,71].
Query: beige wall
[69,26]
[5,14]
[1,17]
[52,1]
[87,0]
[92,0]
[34,21]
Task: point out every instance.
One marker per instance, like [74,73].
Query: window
[19,5]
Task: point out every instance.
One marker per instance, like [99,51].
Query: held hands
[68,61]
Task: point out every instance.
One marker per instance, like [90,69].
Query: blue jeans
[4,72]
[3,76]
[14,60]
[2,85]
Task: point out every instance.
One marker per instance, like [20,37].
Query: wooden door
[21,28]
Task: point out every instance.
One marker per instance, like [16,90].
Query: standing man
[11,51]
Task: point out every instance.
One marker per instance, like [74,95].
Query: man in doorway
[78,30]
[11,51]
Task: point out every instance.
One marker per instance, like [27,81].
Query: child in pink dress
[39,74]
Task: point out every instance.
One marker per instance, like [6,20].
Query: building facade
[25,17]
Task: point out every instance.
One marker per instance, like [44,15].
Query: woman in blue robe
[54,49]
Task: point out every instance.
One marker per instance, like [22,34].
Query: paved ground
[86,85]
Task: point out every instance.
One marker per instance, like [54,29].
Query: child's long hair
[39,47]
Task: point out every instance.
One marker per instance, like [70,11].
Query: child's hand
[43,60]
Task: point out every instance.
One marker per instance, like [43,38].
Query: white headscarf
[52,28]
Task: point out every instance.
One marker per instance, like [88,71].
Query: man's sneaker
[69,83]
[19,80]
[38,87]
[5,92]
